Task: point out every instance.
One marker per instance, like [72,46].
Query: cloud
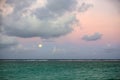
[6,41]
[33,27]
[5,8]
[84,7]
[38,23]
[55,8]
[52,20]
[19,5]
[61,6]
[94,37]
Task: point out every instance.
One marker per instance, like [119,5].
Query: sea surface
[59,70]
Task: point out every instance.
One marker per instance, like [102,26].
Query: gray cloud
[19,5]
[46,22]
[84,7]
[94,37]
[61,6]
[6,41]
[5,8]
[34,25]
[44,13]
[55,8]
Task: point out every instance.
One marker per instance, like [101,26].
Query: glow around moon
[40,45]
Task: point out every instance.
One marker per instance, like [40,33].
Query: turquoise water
[51,70]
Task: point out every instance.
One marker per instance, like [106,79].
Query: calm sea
[59,70]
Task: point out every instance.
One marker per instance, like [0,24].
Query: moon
[40,45]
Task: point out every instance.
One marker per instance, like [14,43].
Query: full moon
[40,45]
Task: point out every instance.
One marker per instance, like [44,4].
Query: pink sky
[102,18]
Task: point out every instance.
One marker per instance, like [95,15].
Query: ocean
[59,70]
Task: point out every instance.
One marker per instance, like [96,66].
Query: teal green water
[59,70]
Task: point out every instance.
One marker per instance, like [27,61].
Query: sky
[59,29]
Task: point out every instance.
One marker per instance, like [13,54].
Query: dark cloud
[61,6]
[6,41]
[32,26]
[46,22]
[55,8]
[19,7]
[94,37]
[40,23]
[44,14]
